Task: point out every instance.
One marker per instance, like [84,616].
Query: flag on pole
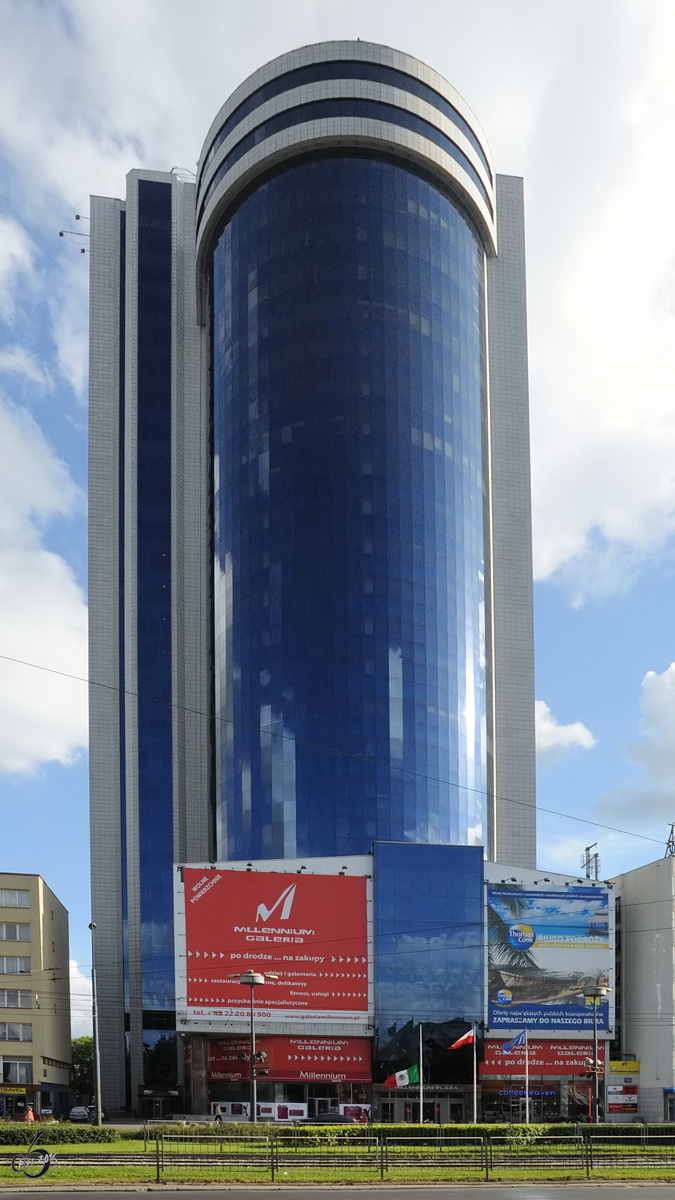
[518,1040]
[465,1040]
[403,1078]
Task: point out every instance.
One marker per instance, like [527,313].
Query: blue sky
[579,98]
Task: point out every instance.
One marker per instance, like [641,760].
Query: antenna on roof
[670,844]
[591,862]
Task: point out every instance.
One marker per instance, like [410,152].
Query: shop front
[156,1104]
[442,1104]
[558,1085]
[16,1098]
[296,1076]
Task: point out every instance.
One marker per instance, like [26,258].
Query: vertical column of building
[148,626]
[514,779]
[150,614]
[191,554]
[106,692]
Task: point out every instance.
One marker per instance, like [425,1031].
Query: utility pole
[94,1013]
[253,979]
[595,995]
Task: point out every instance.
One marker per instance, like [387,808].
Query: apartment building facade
[35,1054]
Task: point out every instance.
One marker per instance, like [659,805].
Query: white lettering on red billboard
[312,1059]
[545,1058]
[309,930]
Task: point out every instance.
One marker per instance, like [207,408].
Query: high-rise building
[310,573]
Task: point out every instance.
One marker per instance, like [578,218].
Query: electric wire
[332,750]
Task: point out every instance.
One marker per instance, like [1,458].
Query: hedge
[20,1133]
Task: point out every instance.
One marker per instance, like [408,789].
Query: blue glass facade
[429,947]
[153,531]
[348,402]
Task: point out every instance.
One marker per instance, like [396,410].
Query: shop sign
[8,1090]
[553,1057]
[545,947]
[289,1059]
[625,1066]
[311,931]
[623,1085]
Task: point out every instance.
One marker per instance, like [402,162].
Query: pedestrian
[218,1115]
[30,1115]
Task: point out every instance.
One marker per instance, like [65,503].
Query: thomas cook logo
[521,936]
[285,899]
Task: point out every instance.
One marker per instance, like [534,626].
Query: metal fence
[330,1154]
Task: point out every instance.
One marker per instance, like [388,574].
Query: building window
[14,1031]
[11,931]
[17,1070]
[14,998]
[11,965]
[13,898]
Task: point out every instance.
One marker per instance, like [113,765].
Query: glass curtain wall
[348,401]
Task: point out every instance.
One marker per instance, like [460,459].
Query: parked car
[91,1109]
[79,1113]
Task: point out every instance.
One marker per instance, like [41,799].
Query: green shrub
[21,1133]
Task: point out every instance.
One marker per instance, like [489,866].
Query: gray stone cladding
[514,778]
[104,649]
[191,604]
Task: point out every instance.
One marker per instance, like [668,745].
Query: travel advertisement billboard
[305,1059]
[311,931]
[546,948]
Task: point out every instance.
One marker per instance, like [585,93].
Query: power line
[330,749]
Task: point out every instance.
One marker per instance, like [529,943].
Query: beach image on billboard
[546,948]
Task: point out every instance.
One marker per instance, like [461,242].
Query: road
[492,1191]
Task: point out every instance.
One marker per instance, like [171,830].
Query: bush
[21,1133]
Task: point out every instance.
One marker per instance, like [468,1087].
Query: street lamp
[595,994]
[97,1051]
[253,979]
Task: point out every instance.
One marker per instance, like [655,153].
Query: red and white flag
[466,1040]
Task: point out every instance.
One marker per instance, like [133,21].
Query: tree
[82,1072]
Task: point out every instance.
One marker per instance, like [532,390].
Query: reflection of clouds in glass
[432,978]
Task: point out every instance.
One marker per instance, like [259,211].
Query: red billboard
[319,1059]
[310,930]
[545,1057]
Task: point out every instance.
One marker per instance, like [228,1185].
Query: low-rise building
[645,996]
[35,1056]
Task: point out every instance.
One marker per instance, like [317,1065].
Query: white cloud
[80,1002]
[70,323]
[656,751]
[602,311]
[561,854]
[16,258]
[43,617]
[554,738]
[647,804]
[14,360]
